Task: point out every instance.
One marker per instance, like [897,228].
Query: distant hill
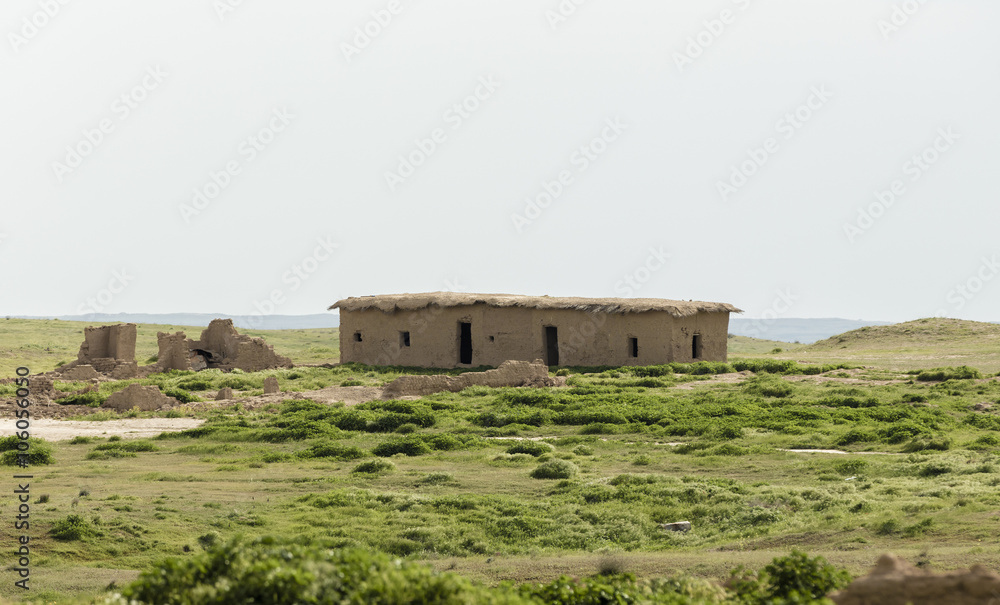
[931,333]
[245,322]
[804,331]
[913,345]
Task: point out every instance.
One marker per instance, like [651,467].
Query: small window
[696,346]
[404,339]
[633,347]
[492,339]
[357,337]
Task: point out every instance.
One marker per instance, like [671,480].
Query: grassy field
[525,484]
[42,344]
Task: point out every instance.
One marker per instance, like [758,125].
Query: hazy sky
[797,158]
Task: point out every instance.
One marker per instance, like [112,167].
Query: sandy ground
[63,430]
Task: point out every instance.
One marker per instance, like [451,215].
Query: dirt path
[63,430]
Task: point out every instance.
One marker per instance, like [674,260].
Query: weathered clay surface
[80,372]
[146,398]
[896,582]
[271,385]
[509,374]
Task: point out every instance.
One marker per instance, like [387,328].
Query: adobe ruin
[509,374]
[221,347]
[105,351]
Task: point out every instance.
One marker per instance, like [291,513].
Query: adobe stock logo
[100,301]
[32,26]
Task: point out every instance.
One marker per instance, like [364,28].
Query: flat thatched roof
[390,303]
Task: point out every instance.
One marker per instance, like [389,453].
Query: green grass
[429,479]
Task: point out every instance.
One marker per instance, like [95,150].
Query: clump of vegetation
[71,528]
[942,374]
[533,448]
[92,399]
[555,469]
[12,452]
[117,448]
[333,451]
[375,467]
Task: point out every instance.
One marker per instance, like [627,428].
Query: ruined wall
[174,351]
[498,335]
[509,374]
[146,398]
[106,350]
[114,342]
[220,346]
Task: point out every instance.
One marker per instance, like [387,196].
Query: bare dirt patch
[62,430]
[732,378]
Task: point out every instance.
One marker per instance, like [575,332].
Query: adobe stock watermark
[454,118]
[786,127]
[97,303]
[225,7]
[915,167]
[963,293]
[366,33]
[32,26]
[563,12]
[291,280]
[249,149]
[783,302]
[579,162]
[899,17]
[713,30]
[633,281]
[121,109]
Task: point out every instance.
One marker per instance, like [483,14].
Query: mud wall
[432,337]
[115,342]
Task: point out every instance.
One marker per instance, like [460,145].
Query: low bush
[12,452]
[942,374]
[555,469]
[374,467]
[333,451]
[71,528]
[411,446]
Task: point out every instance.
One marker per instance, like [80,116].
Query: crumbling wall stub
[174,351]
[509,374]
[146,398]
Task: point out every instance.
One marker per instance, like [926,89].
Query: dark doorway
[551,346]
[633,347]
[464,342]
[696,347]
[404,339]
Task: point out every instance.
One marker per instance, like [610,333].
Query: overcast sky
[796,158]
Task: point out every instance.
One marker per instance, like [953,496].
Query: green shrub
[920,445]
[857,436]
[39,451]
[90,398]
[265,571]
[374,467]
[333,451]
[80,439]
[583,450]
[73,527]
[942,374]
[768,386]
[534,448]
[181,395]
[797,575]
[555,469]
[411,446]
[934,469]
[985,442]
[351,383]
